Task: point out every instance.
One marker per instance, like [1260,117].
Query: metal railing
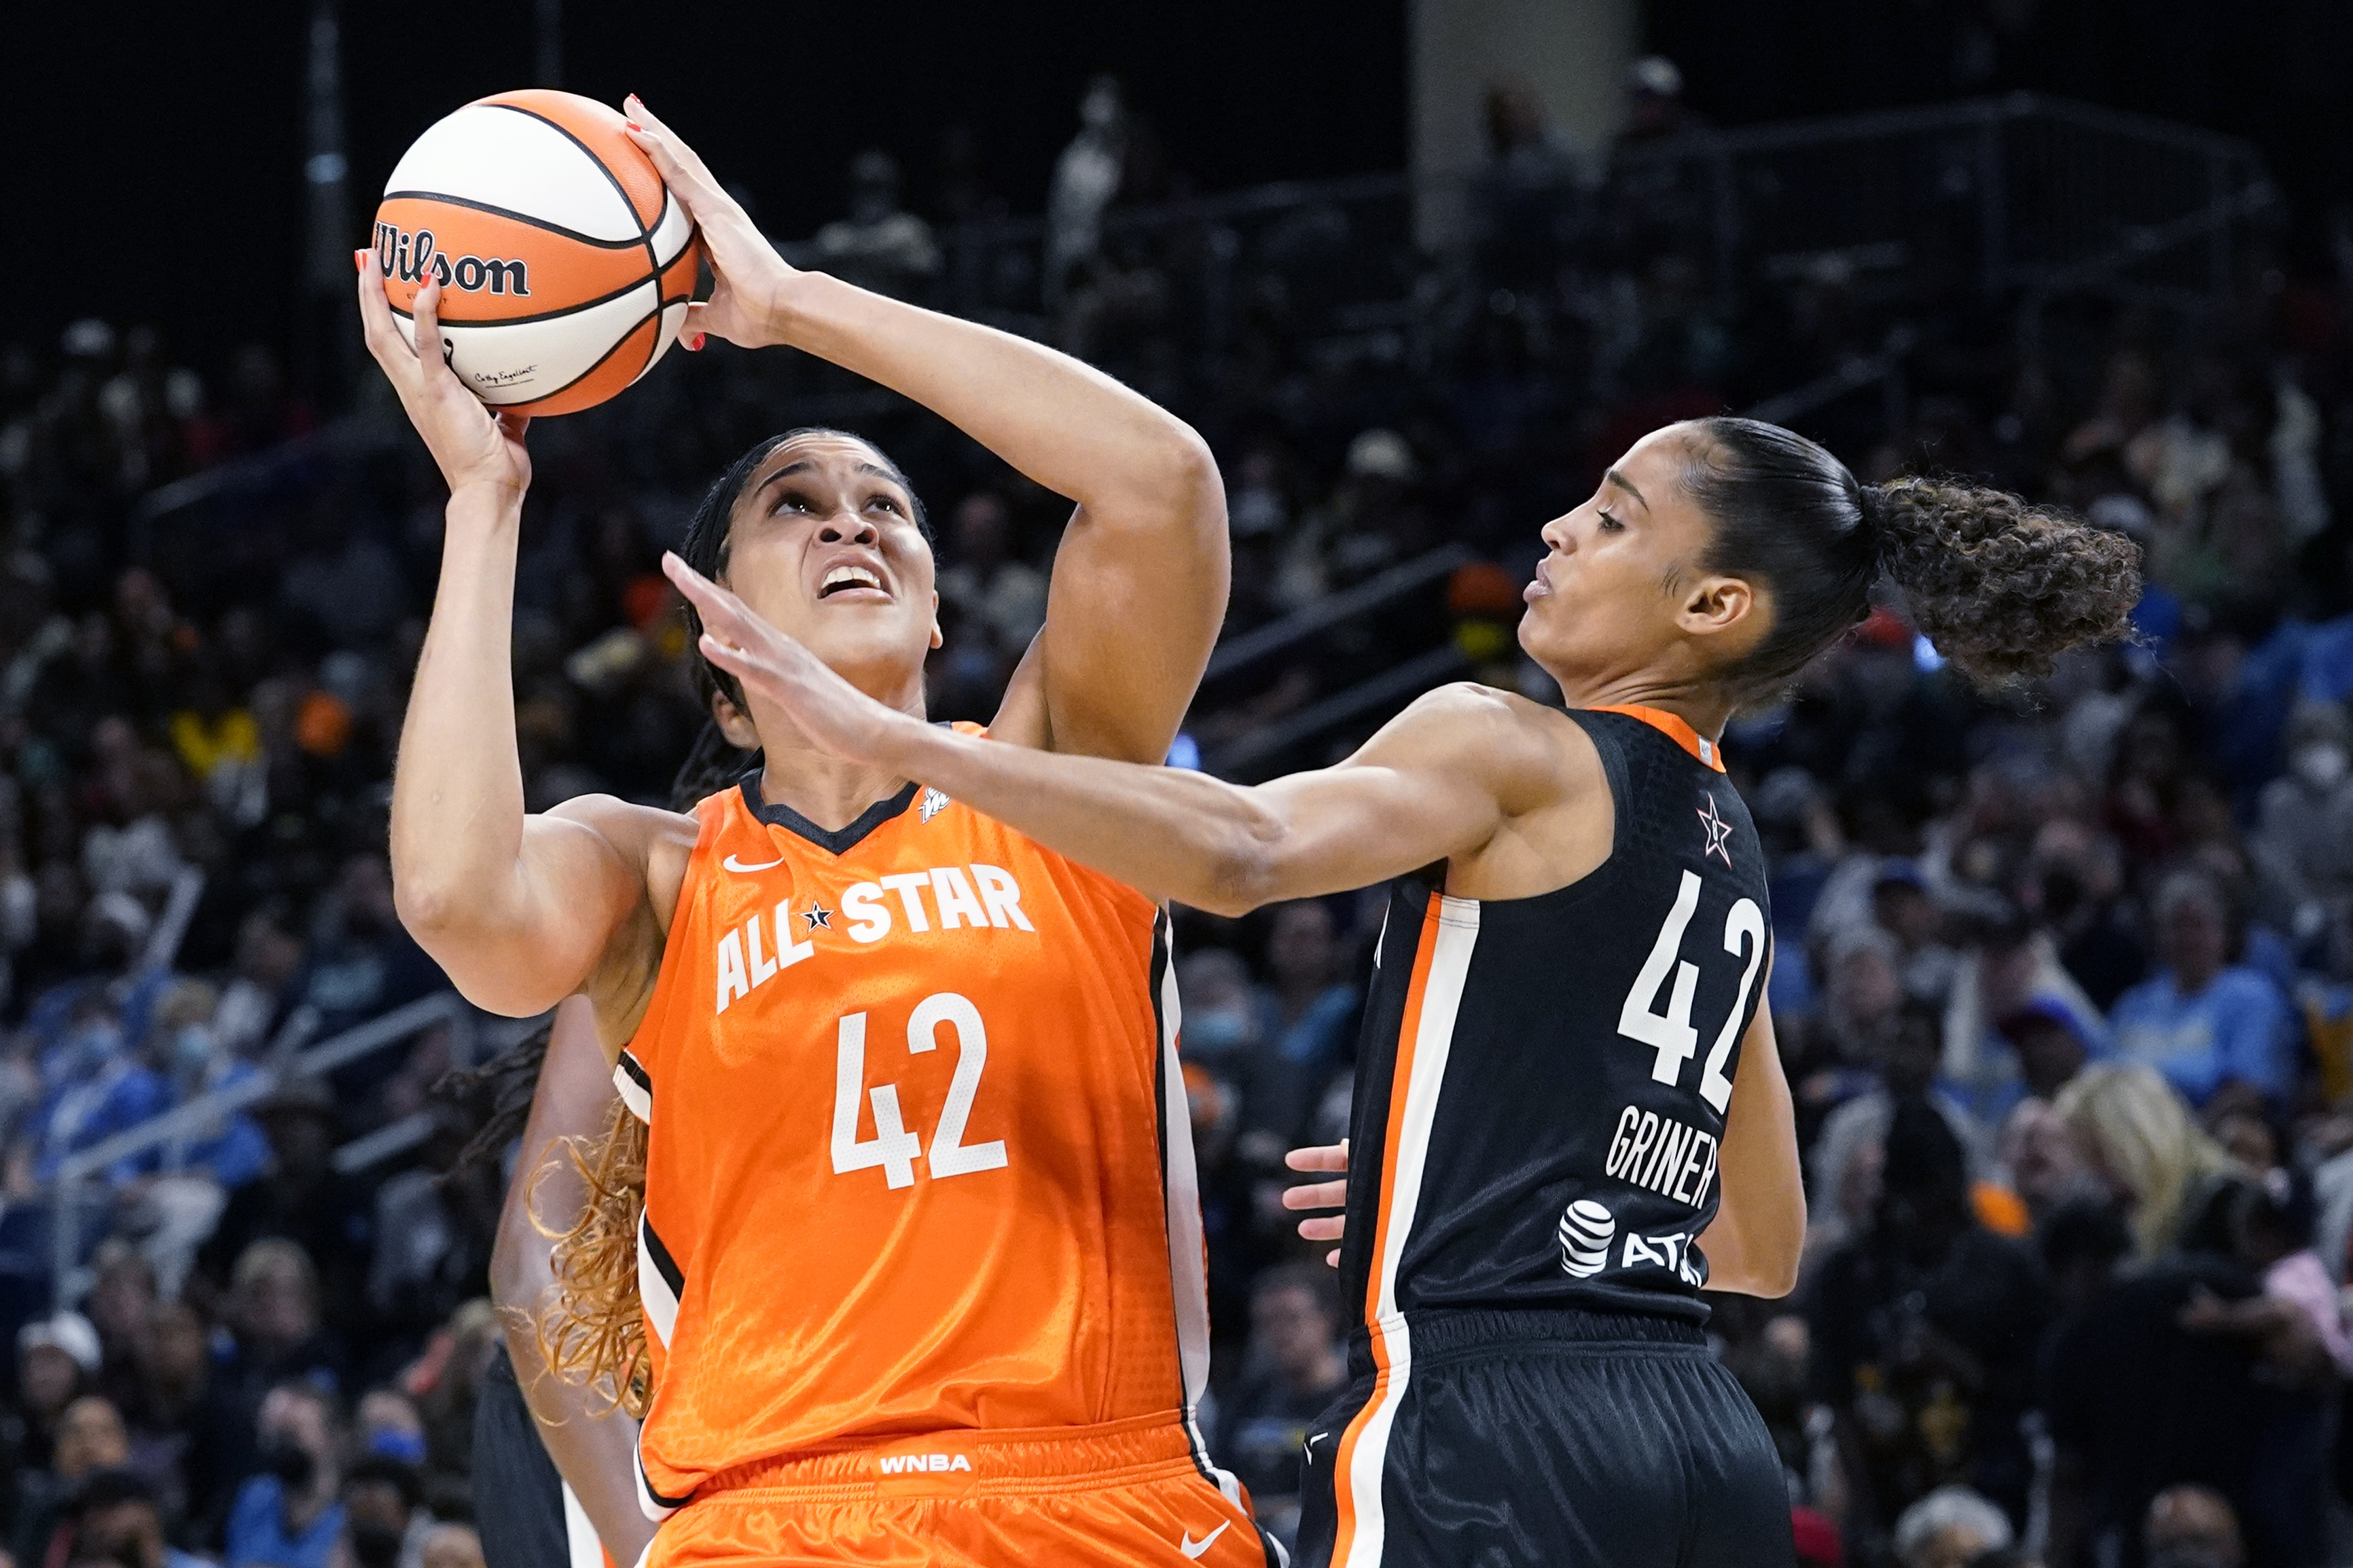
[205,1114]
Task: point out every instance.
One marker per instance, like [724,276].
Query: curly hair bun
[2002,587]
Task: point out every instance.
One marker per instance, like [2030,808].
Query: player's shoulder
[1529,752]
[1465,712]
[656,845]
[632,828]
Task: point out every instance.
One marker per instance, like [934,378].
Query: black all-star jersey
[1542,1081]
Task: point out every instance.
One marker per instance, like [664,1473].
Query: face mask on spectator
[93,1042]
[389,1443]
[281,1457]
[376,1545]
[2322,766]
[191,1050]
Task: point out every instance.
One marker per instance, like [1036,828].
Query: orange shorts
[1127,1492]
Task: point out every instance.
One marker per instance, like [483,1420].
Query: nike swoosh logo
[1192,1548]
[1308,1448]
[732,864]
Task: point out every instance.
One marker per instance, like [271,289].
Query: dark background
[155,160]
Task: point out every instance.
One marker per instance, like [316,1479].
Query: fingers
[715,603]
[690,331]
[1316,1195]
[678,163]
[1331,1258]
[1328,1229]
[376,326]
[425,315]
[1323,1157]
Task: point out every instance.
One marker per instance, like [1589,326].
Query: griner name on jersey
[1671,1158]
[940,897]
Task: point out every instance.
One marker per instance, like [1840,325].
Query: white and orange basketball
[566,264]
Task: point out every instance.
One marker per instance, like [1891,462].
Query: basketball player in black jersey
[1570,1115]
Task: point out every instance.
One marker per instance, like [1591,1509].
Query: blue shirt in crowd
[257,1530]
[2236,1027]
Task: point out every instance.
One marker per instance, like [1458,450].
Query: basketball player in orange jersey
[919,1256]
[1570,1114]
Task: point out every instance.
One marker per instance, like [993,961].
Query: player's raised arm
[1139,585]
[517,910]
[1439,779]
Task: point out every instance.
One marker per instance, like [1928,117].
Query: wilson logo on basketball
[409,257]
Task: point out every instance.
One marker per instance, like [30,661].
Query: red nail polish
[696,344]
[633,125]
[359,260]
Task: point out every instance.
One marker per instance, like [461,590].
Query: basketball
[565,265]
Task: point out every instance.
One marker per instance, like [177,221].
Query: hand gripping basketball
[749,277]
[474,448]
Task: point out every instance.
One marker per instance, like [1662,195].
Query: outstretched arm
[1139,585]
[1760,1229]
[593,1445]
[1439,781]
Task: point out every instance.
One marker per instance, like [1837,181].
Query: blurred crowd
[2064,976]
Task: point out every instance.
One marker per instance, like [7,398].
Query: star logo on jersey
[934,804]
[1718,832]
[817,917]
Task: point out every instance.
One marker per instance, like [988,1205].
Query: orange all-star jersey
[919,1154]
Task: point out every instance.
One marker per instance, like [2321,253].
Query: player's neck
[1707,711]
[830,791]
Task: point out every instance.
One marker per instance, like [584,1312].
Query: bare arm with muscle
[1139,583]
[520,910]
[1759,1230]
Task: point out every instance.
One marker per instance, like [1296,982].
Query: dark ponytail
[2000,586]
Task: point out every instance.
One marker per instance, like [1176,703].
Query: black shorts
[1546,1437]
[518,1497]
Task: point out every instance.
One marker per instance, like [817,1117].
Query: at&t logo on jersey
[1587,1228]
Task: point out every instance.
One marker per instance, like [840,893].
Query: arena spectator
[384,1507]
[301,1198]
[90,1438]
[2204,1023]
[880,245]
[274,1316]
[2136,1136]
[57,1358]
[1952,1527]
[450,1545]
[189,1437]
[291,1515]
[1296,1350]
[116,1519]
[2192,1527]
[1924,1329]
